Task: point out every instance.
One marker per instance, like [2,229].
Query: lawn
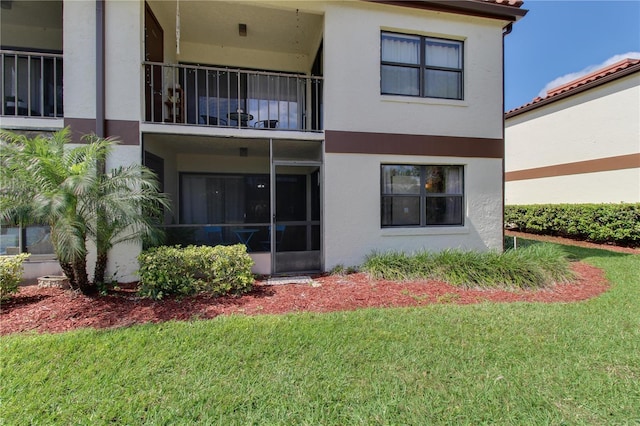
[521,363]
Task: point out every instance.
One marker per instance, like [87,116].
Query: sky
[559,41]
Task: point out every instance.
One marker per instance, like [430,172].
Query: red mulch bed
[53,310]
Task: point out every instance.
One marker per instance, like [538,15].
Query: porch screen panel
[193,195]
[212,199]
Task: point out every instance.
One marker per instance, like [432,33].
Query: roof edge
[540,102]
[481,8]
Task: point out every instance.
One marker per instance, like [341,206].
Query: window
[421,195]
[34,239]
[420,66]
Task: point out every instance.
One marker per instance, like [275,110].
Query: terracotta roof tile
[603,72]
[579,83]
[514,3]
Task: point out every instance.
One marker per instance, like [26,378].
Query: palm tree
[125,208]
[45,182]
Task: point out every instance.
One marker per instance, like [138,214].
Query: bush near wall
[601,223]
[11,274]
[182,271]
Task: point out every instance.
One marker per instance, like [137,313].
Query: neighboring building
[346,127]
[579,144]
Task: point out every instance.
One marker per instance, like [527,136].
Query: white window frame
[423,67]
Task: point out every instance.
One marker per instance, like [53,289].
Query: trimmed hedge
[601,223]
[183,271]
[11,274]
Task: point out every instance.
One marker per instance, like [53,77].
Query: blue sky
[558,41]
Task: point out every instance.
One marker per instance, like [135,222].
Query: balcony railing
[223,97]
[31,84]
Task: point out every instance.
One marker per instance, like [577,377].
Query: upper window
[421,66]
[421,195]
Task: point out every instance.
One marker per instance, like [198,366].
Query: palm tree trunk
[67,268]
[101,267]
[82,279]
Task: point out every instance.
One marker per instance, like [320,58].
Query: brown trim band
[620,162]
[341,142]
[127,132]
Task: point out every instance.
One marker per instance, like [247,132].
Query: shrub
[11,274]
[173,270]
[536,266]
[601,223]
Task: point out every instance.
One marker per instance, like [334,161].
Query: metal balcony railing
[31,84]
[223,97]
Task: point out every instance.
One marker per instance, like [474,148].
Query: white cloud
[588,70]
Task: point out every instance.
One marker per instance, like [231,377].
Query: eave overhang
[478,8]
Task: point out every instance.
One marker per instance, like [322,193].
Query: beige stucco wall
[352,73]
[597,124]
[79,59]
[615,186]
[124,51]
[352,209]
[352,89]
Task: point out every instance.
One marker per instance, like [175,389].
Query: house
[345,127]
[578,144]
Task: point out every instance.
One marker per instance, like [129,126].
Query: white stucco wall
[352,89]
[79,59]
[124,47]
[597,124]
[352,209]
[243,58]
[123,262]
[352,73]
[614,186]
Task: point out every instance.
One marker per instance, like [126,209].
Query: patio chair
[266,245]
[214,235]
[266,124]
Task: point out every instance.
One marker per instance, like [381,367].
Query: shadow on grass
[574,252]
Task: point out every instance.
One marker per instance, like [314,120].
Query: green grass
[533,266]
[521,363]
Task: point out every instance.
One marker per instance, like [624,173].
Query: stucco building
[344,127]
[580,143]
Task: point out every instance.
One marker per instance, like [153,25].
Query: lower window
[29,239]
[422,195]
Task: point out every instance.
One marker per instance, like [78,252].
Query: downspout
[505,32]
[100,70]
[100,123]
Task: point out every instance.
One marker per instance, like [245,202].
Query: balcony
[232,98]
[31,84]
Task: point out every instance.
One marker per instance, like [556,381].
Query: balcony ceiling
[268,28]
[42,14]
[223,146]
